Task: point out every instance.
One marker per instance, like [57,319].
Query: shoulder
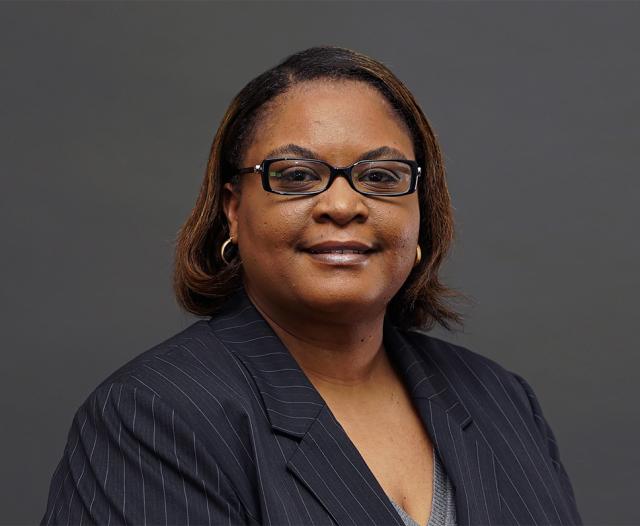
[191,374]
[497,399]
[188,391]
[453,357]
[169,415]
[477,379]
[195,348]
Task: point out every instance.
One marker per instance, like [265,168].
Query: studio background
[108,112]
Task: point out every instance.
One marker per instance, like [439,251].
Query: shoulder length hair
[203,281]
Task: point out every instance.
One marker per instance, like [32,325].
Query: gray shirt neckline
[442,503]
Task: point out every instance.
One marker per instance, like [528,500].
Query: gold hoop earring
[224,246]
[418,256]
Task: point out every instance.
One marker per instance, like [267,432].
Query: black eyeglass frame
[263,170]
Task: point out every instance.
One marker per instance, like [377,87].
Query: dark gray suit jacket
[219,425]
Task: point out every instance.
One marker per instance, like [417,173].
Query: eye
[379,176]
[296,174]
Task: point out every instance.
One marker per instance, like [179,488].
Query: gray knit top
[443,509]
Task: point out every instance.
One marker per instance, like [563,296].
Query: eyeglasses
[388,177]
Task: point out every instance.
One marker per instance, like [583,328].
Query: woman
[308,396]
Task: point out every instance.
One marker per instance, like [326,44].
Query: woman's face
[337,122]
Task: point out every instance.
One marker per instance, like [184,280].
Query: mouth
[340,246]
[345,252]
[340,257]
[339,251]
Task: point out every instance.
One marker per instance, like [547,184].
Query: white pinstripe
[484,494]
[410,366]
[144,497]
[153,413]
[495,478]
[455,450]
[289,402]
[107,474]
[195,453]
[259,473]
[68,469]
[435,395]
[466,454]
[175,452]
[238,394]
[95,484]
[435,433]
[507,505]
[148,387]
[240,326]
[206,500]
[266,354]
[84,463]
[124,477]
[164,494]
[293,417]
[234,315]
[106,398]
[288,386]
[277,370]
[267,337]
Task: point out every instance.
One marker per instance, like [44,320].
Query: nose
[340,203]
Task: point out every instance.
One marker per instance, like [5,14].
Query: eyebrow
[386,152]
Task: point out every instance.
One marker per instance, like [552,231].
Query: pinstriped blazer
[219,425]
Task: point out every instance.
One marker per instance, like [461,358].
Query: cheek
[400,228]
[271,229]
[403,249]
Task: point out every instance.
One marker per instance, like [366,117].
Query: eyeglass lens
[307,176]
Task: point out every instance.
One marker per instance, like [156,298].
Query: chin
[343,299]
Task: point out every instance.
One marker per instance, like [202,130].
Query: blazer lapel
[331,467]
[325,460]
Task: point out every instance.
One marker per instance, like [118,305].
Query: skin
[330,318]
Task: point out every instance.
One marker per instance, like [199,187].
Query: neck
[337,355]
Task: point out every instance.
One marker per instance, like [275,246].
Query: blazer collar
[291,401]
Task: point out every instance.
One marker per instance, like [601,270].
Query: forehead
[336,119]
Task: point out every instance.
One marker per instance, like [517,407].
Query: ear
[230,205]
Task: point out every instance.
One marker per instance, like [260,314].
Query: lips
[340,247]
[337,251]
[347,254]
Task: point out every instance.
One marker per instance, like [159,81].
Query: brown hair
[203,281]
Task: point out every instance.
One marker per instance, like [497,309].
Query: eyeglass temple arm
[250,170]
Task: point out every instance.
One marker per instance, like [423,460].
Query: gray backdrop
[108,111]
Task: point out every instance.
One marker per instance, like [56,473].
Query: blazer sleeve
[131,459]
[551,445]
